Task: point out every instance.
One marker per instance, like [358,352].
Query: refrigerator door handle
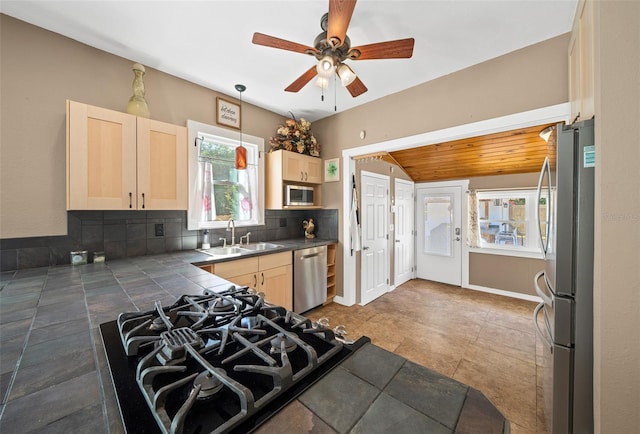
[536,311]
[546,298]
[545,170]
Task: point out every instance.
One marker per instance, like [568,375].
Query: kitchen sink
[225,251]
[262,246]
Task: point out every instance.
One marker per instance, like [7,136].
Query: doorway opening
[556,113]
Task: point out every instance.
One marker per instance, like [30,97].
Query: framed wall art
[228,113]
[332,170]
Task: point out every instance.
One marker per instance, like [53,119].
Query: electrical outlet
[159,230]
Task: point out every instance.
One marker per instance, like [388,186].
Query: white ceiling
[209,42]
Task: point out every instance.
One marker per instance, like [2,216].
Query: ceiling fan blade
[398,49]
[357,88]
[283,44]
[340,12]
[301,81]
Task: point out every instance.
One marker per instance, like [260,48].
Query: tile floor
[483,340]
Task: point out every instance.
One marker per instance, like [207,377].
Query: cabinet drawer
[275,260]
[236,268]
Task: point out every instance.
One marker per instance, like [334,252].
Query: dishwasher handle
[312,255]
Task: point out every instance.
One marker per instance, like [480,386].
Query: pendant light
[241,151]
[546,133]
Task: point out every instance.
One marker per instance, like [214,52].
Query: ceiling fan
[332,47]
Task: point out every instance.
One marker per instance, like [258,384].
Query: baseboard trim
[502,292]
[341,300]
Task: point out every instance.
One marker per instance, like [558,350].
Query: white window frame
[533,250]
[225,136]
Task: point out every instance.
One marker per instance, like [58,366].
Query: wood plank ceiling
[508,152]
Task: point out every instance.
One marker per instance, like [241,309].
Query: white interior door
[439,245]
[374,256]
[404,218]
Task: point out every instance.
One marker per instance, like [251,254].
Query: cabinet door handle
[142,200]
[255,281]
[306,176]
[301,175]
[262,274]
[130,204]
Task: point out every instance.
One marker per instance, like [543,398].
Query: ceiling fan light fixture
[325,66]
[322,82]
[346,74]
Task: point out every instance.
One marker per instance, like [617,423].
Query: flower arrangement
[296,136]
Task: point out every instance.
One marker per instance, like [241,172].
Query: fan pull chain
[335,103]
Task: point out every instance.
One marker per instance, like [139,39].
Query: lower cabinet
[276,285]
[269,274]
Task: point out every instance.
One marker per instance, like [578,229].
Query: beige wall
[508,273]
[530,78]
[617,217]
[39,71]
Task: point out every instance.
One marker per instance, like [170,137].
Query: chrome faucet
[232,225]
[246,238]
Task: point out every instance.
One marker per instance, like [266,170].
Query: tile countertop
[52,355]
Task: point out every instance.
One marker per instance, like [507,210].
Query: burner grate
[174,343]
[213,362]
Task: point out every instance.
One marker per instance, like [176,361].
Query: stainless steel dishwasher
[309,278]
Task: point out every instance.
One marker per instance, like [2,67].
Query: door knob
[365,248]
[457,238]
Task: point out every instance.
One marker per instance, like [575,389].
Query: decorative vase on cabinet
[137,104]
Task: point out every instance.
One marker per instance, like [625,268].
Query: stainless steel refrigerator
[564,319]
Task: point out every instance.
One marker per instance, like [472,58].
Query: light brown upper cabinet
[299,167]
[581,57]
[290,168]
[117,161]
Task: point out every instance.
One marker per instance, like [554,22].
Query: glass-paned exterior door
[438,218]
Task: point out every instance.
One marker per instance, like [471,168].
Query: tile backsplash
[122,234]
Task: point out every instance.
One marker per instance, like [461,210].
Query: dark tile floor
[483,340]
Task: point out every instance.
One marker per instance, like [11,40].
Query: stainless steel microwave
[299,195]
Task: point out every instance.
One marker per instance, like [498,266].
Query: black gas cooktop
[217,362]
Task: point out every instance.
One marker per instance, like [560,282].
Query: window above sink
[218,191]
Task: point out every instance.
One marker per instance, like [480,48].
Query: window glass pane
[507,219]
[503,220]
[227,193]
[217,191]
[438,212]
